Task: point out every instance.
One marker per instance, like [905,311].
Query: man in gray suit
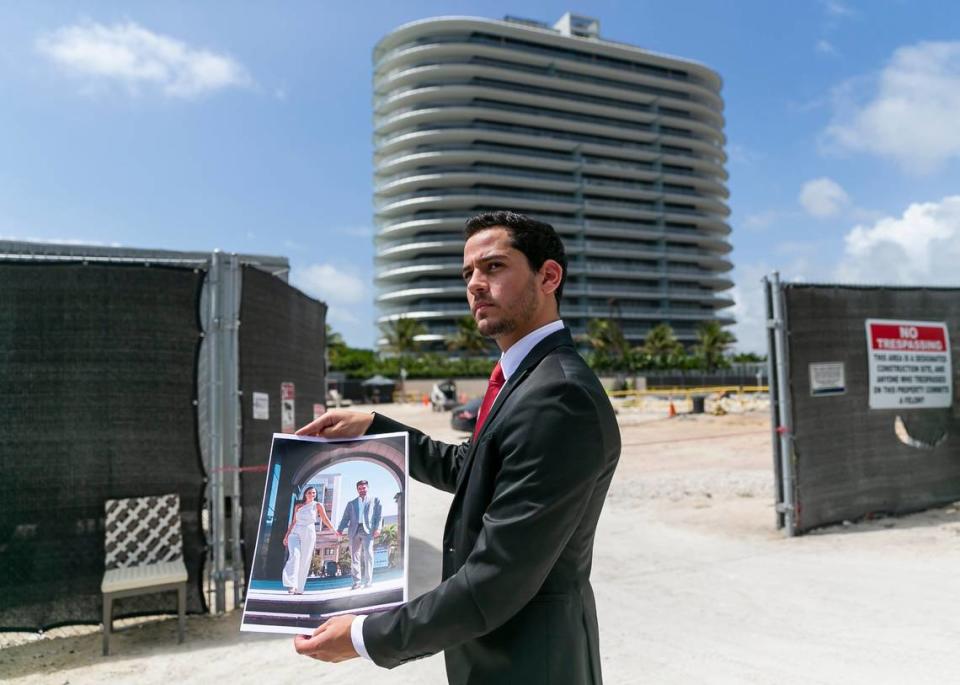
[361,519]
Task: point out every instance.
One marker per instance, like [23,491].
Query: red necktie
[493,388]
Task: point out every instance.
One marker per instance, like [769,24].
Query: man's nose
[477,282]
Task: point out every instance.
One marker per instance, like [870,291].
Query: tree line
[608,350]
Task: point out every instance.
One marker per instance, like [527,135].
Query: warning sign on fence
[909,364]
[288,394]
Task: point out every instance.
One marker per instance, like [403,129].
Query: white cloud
[760,221]
[823,197]
[825,47]
[137,58]
[329,283]
[73,242]
[921,247]
[911,114]
[834,8]
[355,231]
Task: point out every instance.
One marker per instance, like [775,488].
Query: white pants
[300,543]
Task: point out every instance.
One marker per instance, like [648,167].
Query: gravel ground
[694,584]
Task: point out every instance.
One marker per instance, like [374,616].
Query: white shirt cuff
[356,636]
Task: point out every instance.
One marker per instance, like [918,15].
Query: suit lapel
[536,355]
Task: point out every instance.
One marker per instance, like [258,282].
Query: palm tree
[401,334]
[608,342]
[661,345]
[712,341]
[334,339]
[468,337]
[389,538]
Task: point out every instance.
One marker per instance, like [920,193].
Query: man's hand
[338,423]
[330,642]
[376,533]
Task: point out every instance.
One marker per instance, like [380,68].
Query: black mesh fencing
[281,341]
[848,459]
[97,383]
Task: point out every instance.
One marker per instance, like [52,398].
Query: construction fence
[864,404]
[126,373]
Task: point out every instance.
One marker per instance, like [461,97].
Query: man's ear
[551,273]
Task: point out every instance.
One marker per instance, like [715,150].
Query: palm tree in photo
[389,538]
[712,342]
[468,337]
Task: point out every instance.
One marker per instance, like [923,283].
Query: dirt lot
[694,584]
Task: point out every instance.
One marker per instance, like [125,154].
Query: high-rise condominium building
[619,148]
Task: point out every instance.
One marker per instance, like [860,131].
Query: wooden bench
[143,548]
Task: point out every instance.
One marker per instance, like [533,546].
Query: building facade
[620,149]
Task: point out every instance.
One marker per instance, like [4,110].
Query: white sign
[827,378]
[909,363]
[261,405]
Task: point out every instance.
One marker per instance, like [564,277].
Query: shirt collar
[516,353]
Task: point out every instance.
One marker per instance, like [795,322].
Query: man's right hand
[338,423]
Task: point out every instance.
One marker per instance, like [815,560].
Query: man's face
[501,286]
[362,489]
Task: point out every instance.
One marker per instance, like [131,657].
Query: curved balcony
[436,68]
[405,143]
[400,46]
[552,124]
[524,93]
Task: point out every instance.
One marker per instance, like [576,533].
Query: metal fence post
[215,400]
[223,348]
[232,420]
[780,368]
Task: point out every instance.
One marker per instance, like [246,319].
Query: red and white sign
[909,363]
[288,421]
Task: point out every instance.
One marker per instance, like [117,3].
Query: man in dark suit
[515,604]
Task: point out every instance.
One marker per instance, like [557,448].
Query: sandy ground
[694,584]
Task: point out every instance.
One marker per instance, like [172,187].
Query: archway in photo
[316,464]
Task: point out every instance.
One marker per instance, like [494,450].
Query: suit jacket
[352,516]
[515,604]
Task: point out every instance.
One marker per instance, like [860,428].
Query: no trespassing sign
[909,363]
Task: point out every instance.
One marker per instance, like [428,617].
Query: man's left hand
[330,642]
[376,533]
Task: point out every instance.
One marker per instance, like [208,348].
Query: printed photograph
[333,534]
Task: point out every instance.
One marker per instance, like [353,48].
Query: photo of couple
[306,567]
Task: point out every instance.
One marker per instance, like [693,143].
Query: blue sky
[247,128]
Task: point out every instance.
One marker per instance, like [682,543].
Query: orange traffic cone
[426,400]
[671,410]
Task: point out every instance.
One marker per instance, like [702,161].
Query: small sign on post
[827,378]
[909,364]
[288,421]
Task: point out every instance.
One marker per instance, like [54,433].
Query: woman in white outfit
[301,539]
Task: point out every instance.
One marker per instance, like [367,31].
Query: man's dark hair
[361,482]
[537,240]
